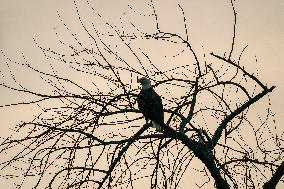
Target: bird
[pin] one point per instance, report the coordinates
(150, 104)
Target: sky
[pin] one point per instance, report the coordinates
(260, 26)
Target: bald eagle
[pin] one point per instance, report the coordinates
(150, 104)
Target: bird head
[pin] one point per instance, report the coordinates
(145, 82)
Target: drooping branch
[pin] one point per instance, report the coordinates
(121, 152)
(91, 138)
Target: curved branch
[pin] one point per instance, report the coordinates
(230, 117)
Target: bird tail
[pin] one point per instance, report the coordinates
(157, 126)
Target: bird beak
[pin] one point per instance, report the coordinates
(138, 80)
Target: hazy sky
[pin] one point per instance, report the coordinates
(260, 25)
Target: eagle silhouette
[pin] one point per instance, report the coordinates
(150, 104)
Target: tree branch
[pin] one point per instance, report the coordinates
(271, 184)
(230, 117)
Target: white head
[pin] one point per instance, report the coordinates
(145, 82)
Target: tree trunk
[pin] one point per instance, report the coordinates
(205, 155)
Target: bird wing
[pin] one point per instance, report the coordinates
(141, 102)
(150, 104)
(157, 111)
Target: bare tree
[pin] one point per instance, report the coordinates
(90, 133)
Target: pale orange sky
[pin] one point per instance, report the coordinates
(260, 26)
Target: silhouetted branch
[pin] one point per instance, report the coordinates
(89, 133)
(277, 175)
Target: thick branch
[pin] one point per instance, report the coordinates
(206, 156)
(275, 177)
